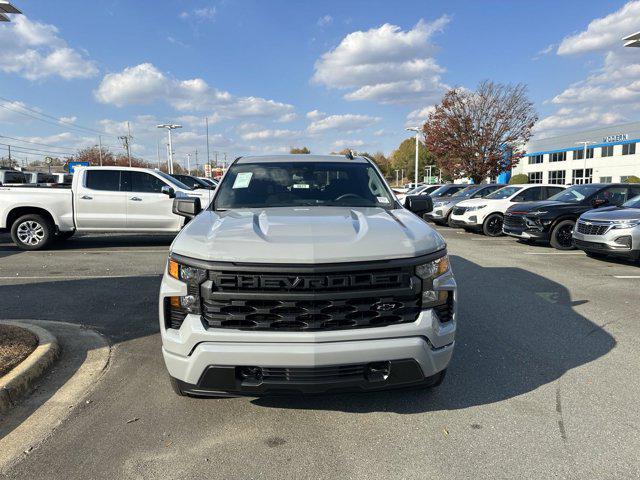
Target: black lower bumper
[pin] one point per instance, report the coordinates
(254, 381)
(526, 234)
(604, 249)
(470, 226)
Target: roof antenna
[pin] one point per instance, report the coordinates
(349, 154)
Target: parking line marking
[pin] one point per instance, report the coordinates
(626, 276)
(554, 253)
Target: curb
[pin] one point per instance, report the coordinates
(20, 380)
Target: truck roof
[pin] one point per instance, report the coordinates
(300, 158)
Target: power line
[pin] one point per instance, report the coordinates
(57, 121)
(37, 143)
(28, 150)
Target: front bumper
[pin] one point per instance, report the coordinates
(607, 244)
(438, 214)
(466, 220)
(525, 234)
(210, 361)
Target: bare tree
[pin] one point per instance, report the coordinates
(480, 134)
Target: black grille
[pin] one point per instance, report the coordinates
(459, 210)
(513, 221)
(590, 245)
(592, 229)
(315, 374)
(338, 299)
(173, 316)
(296, 315)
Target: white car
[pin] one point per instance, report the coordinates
(101, 199)
(486, 214)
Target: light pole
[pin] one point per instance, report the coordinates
(584, 155)
(170, 127)
(6, 7)
(417, 130)
(632, 40)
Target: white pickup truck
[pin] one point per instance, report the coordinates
(101, 199)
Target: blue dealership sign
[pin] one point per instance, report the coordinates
(73, 165)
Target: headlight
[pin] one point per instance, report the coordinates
(475, 207)
(627, 224)
(439, 204)
(428, 272)
(193, 277)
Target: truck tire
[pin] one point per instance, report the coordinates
(32, 232)
(449, 221)
(562, 235)
(492, 226)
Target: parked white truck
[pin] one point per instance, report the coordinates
(101, 199)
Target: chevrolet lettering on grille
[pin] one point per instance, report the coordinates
(295, 282)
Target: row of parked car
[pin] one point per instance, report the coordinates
(600, 218)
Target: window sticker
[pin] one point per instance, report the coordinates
(300, 185)
(242, 180)
(384, 200)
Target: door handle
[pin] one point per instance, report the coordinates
(86, 197)
(136, 199)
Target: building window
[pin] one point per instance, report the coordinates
(558, 157)
(535, 177)
(581, 176)
(557, 177)
(629, 149)
(607, 151)
(579, 154)
(534, 159)
(605, 179)
(624, 178)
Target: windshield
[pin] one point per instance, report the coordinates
(467, 191)
(632, 203)
(173, 181)
(575, 194)
(288, 184)
(441, 191)
(504, 192)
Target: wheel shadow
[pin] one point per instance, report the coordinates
(517, 331)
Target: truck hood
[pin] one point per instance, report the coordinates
(306, 235)
(609, 214)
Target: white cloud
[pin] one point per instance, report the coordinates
(610, 93)
(287, 117)
(315, 115)
(145, 84)
(604, 33)
(340, 144)
(205, 14)
(325, 20)
(34, 51)
(68, 119)
(268, 134)
(419, 116)
(385, 64)
(345, 123)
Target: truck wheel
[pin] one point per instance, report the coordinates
(32, 232)
(562, 235)
(449, 221)
(492, 226)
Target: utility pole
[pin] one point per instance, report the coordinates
(126, 140)
(9, 155)
(158, 152)
(169, 169)
(206, 122)
(417, 130)
(197, 162)
(224, 165)
(216, 154)
(188, 164)
(100, 147)
(170, 127)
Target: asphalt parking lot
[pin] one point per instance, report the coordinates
(544, 381)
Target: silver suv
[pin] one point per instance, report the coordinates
(610, 231)
(305, 275)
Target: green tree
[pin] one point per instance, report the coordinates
(404, 158)
(303, 150)
(518, 179)
(632, 179)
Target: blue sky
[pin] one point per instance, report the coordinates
(275, 74)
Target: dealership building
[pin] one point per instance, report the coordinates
(610, 154)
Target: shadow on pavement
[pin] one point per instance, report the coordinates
(517, 331)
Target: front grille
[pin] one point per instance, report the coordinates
(590, 245)
(315, 374)
(516, 221)
(592, 229)
(459, 210)
(340, 298)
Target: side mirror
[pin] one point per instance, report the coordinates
(599, 202)
(419, 204)
(169, 191)
(187, 207)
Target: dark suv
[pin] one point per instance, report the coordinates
(552, 221)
